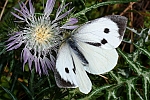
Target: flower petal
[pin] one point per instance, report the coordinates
(13, 45)
(52, 58)
(60, 9)
(44, 67)
(25, 56)
(17, 16)
(20, 12)
(30, 61)
(37, 64)
(32, 10)
(48, 62)
(63, 15)
(72, 21)
(69, 24)
(17, 34)
(70, 27)
(49, 7)
(25, 9)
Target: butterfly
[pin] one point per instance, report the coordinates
(89, 48)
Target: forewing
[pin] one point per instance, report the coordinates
(106, 32)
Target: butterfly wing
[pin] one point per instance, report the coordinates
(64, 72)
(100, 60)
(97, 41)
(70, 72)
(106, 32)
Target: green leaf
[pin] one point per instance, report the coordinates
(42, 91)
(96, 92)
(116, 77)
(133, 65)
(146, 52)
(31, 82)
(9, 93)
(146, 83)
(27, 91)
(146, 88)
(130, 84)
(82, 12)
(129, 92)
(138, 94)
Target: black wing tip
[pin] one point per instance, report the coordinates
(117, 18)
(121, 22)
(61, 82)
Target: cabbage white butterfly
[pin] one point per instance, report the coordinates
(90, 48)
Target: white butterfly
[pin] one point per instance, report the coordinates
(89, 48)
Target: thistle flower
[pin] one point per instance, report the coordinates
(40, 36)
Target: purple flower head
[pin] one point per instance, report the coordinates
(40, 36)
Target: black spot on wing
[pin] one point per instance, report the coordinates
(94, 44)
(121, 22)
(106, 30)
(104, 41)
(74, 47)
(66, 70)
(61, 82)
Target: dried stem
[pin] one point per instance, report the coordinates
(131, 16)
(131, 24)
(3, 9)
(129, 7)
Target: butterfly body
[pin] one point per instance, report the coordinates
(90, 48)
